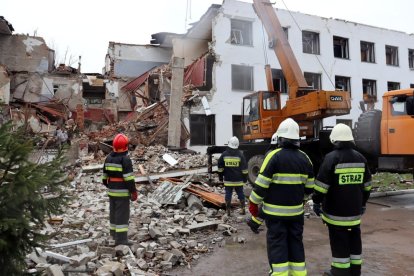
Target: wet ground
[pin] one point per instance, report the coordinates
(387, 237)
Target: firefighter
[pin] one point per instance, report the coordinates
(284, 178)
(232, 169)
(343, 187)
(118, 177)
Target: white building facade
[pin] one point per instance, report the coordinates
(333, 54)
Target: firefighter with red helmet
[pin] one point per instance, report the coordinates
(118, 177)
(342, 189)
(285, 177)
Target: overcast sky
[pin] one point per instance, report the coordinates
(84, 27)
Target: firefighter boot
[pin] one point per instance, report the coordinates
(242, 206)
(228, 208)
(254, 224)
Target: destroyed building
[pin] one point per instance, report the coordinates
(226, 47)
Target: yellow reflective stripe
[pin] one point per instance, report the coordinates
(232, 184)
(285, 211)
(280, 269)
(112, 227)
(341, 221)
(286, 178)
(118, 192)
(350, 170)
(129, 178)
(356, 259)
(231, 161)
(297, 269)
(310, 183)
(341, 263)
(310, 161)
(267, 159)
(113, 169)
(245, 171)
(368, 186)
(263, 181)
(104, 176)
(121, 228)
(220, 170)
(321, 187)
(255, 198)
(257, 220)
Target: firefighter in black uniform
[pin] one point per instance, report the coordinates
(232, 169)
(118, 177)
(343, 187)
(285, 176)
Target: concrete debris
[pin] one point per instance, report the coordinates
(171, 224)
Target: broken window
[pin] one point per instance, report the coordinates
(369, 90)
(310, 42)
(393, 85)
(202, 130)
(279, 81)
(343, 83)
(391, 55)
(57, 87)
(411, 58)
(241, 32)
(367, 51)
(340, 47)
(313, 80)
(242, 77)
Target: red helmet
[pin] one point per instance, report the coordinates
(120, 143)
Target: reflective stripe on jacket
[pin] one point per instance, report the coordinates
(285, 176)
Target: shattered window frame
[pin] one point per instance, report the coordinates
(310, 42)
(341, 47)
(202, 130)
(391, 55)
(279, 81)
(369, 90)
(391, 85)
(314, 80)
(343, 83)
(241, 78)
(241, 32)
(367, 51)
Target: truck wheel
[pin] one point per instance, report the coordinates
(367, 132)
(253, 167)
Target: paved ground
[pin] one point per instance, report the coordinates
(387, 236)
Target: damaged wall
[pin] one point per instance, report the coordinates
(4, 86)
(25, 53)
(189, 49)
(129, 60)
(35, 87)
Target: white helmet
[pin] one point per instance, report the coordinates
(288, 129)
(273, 141)
(234, 142)
(341, 132)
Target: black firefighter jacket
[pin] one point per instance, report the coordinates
(118, 175)
(343, 186)
(232, 167)
(285, 176)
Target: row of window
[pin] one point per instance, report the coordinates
(242, 80)
(241, 34)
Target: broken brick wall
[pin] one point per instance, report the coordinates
(25, 53)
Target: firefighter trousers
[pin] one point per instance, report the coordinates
(346, 248)
(119, 218)
(285, 249)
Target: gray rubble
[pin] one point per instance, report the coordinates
(163, 235)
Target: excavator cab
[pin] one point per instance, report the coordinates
(262, 114)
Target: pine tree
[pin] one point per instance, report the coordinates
(24, 205)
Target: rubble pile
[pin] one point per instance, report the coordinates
(163, 235)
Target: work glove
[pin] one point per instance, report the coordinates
(317, 209)
(363, 209)
(253, 209)
(134, 196)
